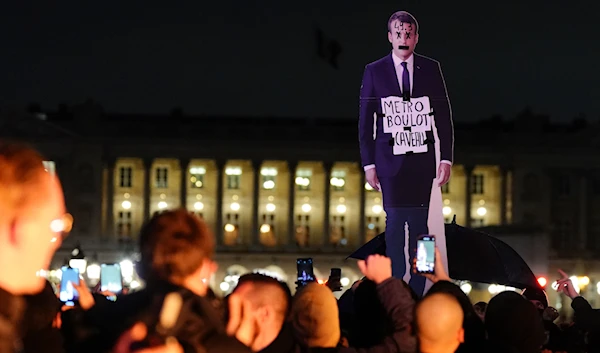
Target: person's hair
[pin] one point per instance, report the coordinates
(173, 245)
(20, 169)
(405, 17)
(262, 291)
(371, 324)
(480, 307)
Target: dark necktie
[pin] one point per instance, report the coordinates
(405, 82)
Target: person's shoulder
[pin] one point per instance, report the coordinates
(379, 62)
(426, 61)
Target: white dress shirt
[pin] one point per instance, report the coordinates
(410, 65)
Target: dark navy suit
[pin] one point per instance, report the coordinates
(406, 180)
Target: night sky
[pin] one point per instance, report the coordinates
(259, 57)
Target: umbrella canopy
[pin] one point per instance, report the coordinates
(472, 256)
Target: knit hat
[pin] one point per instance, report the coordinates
(314, 317)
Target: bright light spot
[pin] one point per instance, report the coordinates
(126, 205)
(79, 264)
(583, 281)
(235, 206)
(268, 171)
(466, 288)
(57, 226)
(320, 281)
(53, 240)
(337, 182)
(481, 211)
(446, 202)
(198, 206)
(127, 268)
(481, 202)
(269, 184)
(302, 181)
(127, 280)
(126, 195)
(542, 281)
(235, 197)
(341, 208)
(377, 209)
(134, 285)
(446, 211)
(497, 288)
(345, 281)
(233, 171)
(162, 205)
(229, 227)
(368, 187)
(575, 282)
(197, 170)
(224, 286)
(554, 285)
(306, 208)
(163, 196)
(598, 288)
(93, 271)
(198, 183)
(265, 228)
(270, 207)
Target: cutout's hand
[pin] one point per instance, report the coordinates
(444, 171)
(371, 177)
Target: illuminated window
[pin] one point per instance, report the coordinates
(303, 231)
(233, 177)
(162, 178)
(125, 177)
(337, 233)
(197, 177)
(268, 178)
(124, 225)
(477, 183)
(338, 180)
(303, 179)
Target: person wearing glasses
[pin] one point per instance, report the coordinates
(33, 224)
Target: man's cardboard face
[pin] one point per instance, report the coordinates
(403, 34)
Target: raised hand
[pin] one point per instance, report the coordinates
(377, 268)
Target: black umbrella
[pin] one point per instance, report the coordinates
(472, 256)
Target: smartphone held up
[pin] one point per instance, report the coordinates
(425, 254)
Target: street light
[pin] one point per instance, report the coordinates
(78, 260)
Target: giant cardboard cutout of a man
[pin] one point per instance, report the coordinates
(406, 139)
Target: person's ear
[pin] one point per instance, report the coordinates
(461, 335)
(390, 36)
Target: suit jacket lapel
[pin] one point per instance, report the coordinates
(394, 85)
(416, 77)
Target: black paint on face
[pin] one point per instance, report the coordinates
(403, 29)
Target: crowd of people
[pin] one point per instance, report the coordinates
(177, 312)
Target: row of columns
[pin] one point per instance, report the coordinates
(220, 164)
(292, 166)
